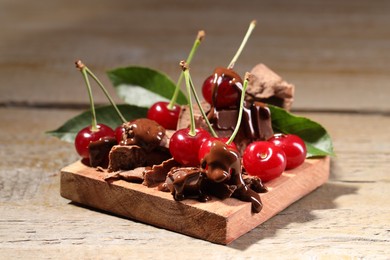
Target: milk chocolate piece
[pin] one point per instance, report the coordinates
(223, 165)
(186, 183)
(136, 175)
(268, 87)
(158, 173)
(99, 150)
(145, 133)
(126, 157)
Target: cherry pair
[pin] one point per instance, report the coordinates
(268, 159)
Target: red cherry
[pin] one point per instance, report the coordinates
(184, 148)
(293, 146)
(119, 131)
(228, 85)
(166, 117)
(86, 135)
(206, 146)
(264, 160)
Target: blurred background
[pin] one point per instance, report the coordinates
(336, 52)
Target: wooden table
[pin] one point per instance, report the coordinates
(336, 53)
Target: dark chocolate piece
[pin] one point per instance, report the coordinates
(99, 150)
(186, 183)
(255, 184)
(224, 165)
(158, 173)
(126, 157)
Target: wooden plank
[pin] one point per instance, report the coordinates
(216, 221)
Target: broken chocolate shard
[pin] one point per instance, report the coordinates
(268, 87)
(158, 173)
(99, 151)
(135, 175)
(126, 157)
(223, 166)
(185, 183)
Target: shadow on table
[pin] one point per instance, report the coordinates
(299, 212)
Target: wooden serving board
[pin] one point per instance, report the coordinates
(218, 221)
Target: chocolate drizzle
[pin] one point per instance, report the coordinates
(224, 165)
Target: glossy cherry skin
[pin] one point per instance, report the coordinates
(227, 95)
(293, 146)
(166, 117)
(206, 146)
(264, 160)
(184, 148)
(119, 131)
(86, 135)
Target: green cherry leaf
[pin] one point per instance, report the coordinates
(143, 87)
(105, 115)
(318, 141)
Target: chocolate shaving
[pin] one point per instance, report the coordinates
(158, 173)
(135, 175)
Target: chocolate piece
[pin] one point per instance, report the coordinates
(186, 183)
(99, 150)
(224, 165)
(157, 156)
(136, 175)
(158, 173)
(268, 87)
(145, 133)
(220, 190)
(255, 124)
(126, 157)
(254, 183)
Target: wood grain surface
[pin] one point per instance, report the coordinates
(335, 52)
(217, 221)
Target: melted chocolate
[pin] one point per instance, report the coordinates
(186, 183)
(224, 165)
(145, 133)
(235, 81)
(99, 150)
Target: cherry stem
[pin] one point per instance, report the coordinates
(192, 124)
(82, 69)
(188, 75)
(252, 26)
(89, 72)
(245, 85)
(198, 40)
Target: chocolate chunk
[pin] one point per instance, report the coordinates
(158, 173)
(99, 150)
(186, 183)
(223, 165)
(145, 133)
(136, 175)
(255, 183)
(268, 87)
(157, 156)
(220, 190)
(126, 157)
